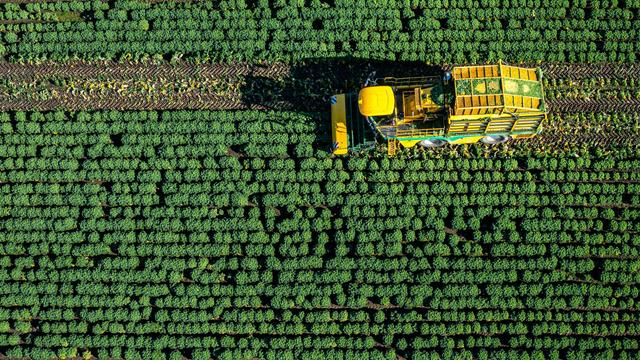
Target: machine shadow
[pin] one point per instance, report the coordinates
(309, 84)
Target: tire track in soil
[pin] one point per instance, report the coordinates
(603, 105)
(73, 103)
(142, 70)
(68, 101)
(146, 69)
(584, 71)
(617, 138)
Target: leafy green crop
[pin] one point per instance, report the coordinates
(233, 235)
(440, 31)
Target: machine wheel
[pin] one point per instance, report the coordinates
(495, 139)
(432, 143)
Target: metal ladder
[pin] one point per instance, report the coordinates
(392, 146)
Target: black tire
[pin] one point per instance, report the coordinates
(495, 139)
(432, 143)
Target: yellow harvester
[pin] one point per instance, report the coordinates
(487, 103)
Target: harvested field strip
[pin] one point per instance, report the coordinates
(85, 85)
(149, 68)
(133, 102)
(53, 99)
(608, 105)
(131, 70)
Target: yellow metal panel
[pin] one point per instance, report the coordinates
(475, 72)
(376, 101)
(504, 100)
(467, 140)
(524, 74)
(392, 146)
(504, 117)
(523, 136)
(508, 100)
(339, 124)
(498, 127)
(408, 143)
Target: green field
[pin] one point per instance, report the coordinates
(167, 189)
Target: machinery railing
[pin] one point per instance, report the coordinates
(415, 80)
(393, 131)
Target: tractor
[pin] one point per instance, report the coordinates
(485, 103)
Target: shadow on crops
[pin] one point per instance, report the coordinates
(309, 84)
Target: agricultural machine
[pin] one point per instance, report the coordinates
(487, 103)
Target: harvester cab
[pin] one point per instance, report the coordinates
(487, 103)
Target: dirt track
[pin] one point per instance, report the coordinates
(605, 106)
(126, 69)
(108, 84)
(130, 70)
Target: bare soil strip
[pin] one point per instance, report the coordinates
(236, 101)
(605, 105)
(588, 138)
(584, 71)
(131, 70)
(149, 68)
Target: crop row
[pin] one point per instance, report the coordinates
(560, 31)
(199, 133)
(163, 234)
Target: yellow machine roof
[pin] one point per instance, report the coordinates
(376, 101)
(488, 89)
